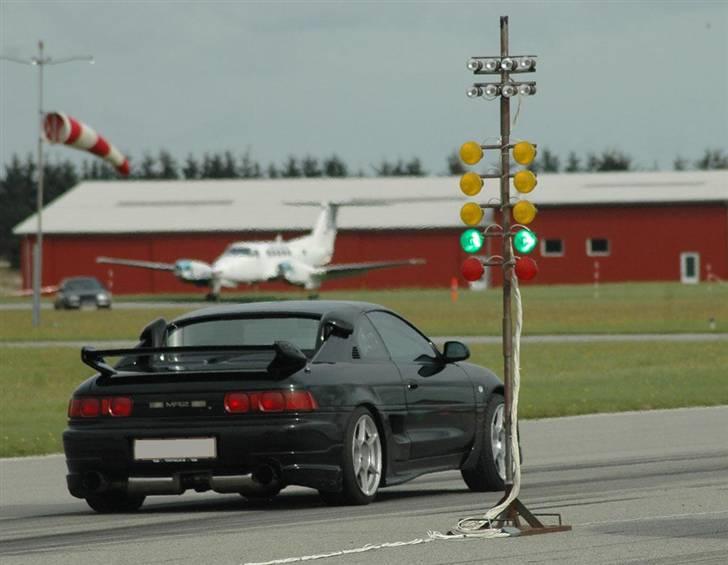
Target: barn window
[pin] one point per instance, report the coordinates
(597, 246)
(552, 247)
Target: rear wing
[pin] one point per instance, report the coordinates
(287, 360)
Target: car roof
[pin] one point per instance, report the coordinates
(82, 278)
(349, 309)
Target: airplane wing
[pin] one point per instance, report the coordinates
(349, 269)
(134, 263)
(52, 289)
(356, 202)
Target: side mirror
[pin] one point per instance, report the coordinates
(333, 324)
(455, 351)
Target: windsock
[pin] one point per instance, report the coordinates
(62, 128)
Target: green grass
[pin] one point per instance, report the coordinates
(81, 324)
(557, 380)
(619, 308)
(562, 379)
(35, 385)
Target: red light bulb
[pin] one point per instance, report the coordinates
(472, 269)
(526, 268)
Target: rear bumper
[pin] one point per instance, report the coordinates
(298, 451)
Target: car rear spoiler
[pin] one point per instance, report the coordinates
(288, 358)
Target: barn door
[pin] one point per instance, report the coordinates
(689, 268)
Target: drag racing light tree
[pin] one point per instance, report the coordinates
(514, 233)
(523, 212)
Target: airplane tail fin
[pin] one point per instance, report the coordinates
(323, 234)
(324, 230)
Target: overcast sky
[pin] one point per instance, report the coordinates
(368, 80)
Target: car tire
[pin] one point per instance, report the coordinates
(114, 502)
(362, 461)
(488, 474)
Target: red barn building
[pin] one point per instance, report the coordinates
(647, 226)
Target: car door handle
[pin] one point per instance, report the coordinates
(412, 385)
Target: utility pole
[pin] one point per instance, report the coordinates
(41, 61)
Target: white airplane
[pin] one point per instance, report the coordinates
(303, 261)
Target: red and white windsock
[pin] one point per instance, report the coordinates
(62, 128)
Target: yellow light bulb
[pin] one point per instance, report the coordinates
(471, 152)
(471, 214)
(524, 181)
(524, 212)
(524, 152)
(471, 183)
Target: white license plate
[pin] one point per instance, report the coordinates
(175, 449)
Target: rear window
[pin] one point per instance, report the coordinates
(301, 331)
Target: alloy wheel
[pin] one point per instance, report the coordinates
(367, 455)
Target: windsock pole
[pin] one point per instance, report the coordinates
(41, 61)
(38, 247)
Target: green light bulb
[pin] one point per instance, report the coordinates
(472, 240)
(525, 241)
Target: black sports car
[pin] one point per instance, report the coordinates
(343, 397)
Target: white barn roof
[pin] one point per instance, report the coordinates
(147, 206)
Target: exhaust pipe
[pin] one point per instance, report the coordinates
(265, 479)
(154, 485)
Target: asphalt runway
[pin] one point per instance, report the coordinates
(639, 487)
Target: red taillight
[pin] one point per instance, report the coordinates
(91, 407)
(74, 408)
(270, 401)
(236, 402)
(300, 401)
(120, 406)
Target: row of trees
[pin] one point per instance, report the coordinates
(608, 160)
(18, 183)
(226, 165)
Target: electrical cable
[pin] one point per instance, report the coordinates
(481, 526)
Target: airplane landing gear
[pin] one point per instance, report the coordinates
(214, 294)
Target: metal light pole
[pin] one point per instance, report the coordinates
(41, 61)
(514, 234)
(507, 254)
